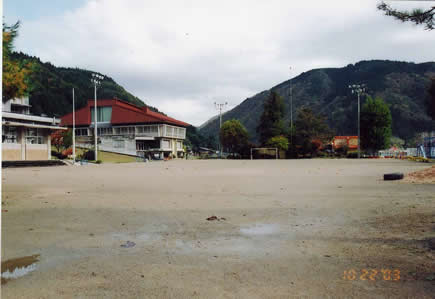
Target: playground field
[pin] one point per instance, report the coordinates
(314, 228)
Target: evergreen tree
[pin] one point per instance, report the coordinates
(431, 100)
(310, 131)
(375, 125)
(233, 136)
(417, 16)
(271, 121)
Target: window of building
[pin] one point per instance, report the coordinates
(131, 130)
(169, 131)
(104, 131)
(9, 135)
(179, 144)
(34, 136)
(166, 144)
(104, 114)
(140, 130)
(117, 131)
(81, 132)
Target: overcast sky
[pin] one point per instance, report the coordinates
(181, 56)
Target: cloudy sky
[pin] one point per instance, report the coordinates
(181, 56)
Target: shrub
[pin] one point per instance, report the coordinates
(58, 155)
(67, 152)
(88, 155)
(352, 155)
(98, 161)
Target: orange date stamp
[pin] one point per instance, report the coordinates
(372, 274)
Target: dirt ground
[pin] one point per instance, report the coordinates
(320, 228)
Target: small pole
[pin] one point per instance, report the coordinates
(95, 119)
(74, 130)
(359, 136)
(220, 106)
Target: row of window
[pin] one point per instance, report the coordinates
(174, 132)
(170, 131)
(31, 135)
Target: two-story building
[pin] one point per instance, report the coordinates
(26, 136)
(128, 129)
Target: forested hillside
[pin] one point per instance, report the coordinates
(51, 87)
(404, 86)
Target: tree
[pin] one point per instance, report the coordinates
(397, 142)
(271, 121)
(417, 16)
(233, 136)
(430, 103)
(310, 132)
(375, 125)
(61, 139)
(15, 73)
(280, 142)
(193, 139)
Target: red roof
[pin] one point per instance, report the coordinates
(122, 113)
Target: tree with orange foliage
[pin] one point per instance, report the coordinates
(61, 139)
(15, 74)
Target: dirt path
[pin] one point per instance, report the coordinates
(285, 229)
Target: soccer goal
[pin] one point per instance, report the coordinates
(264, 153)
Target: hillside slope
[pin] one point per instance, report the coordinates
(51, 87)
(402, 85)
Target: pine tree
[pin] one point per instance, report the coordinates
(375, 125)
(417, 16)
(271, 121)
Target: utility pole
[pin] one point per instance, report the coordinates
(291, 109)
(74, 130)
(220, 107)
(291, 101)
(358, 89)
(96, 79)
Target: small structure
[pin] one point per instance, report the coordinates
(26, 136)
(125, 128)
(341, 141)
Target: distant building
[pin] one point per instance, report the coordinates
(128, 129)
(26, 136)
(340, 141)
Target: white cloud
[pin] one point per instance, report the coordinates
(181, 56)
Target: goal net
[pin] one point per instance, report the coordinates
(264, 153)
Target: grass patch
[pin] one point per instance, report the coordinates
(107, 157)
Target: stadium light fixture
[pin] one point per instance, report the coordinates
(358, 89)
(96, 80)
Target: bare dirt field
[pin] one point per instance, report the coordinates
(283, 229)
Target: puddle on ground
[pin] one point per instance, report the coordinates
(18, 267)
(260, 229)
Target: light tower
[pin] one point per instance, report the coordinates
(220, 107)
(96, 80)
(358, 89)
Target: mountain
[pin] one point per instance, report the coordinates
(51, 87)
(402, 85)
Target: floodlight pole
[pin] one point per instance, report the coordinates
(291, 109)
(220, 106)
(74, 130)
(96, 79)
(291, 101)
(358, 89)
